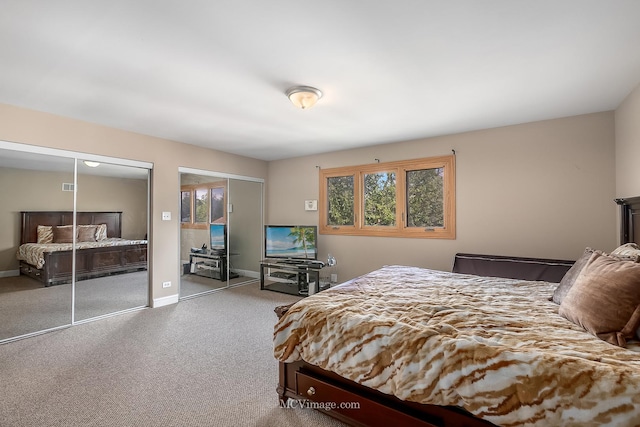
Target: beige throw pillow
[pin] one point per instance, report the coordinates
(45, 234)
(627, 250)
(87, 233)
(101, 232)
(63, 234)
(605, 299)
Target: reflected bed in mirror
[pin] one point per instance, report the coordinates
(46, 253)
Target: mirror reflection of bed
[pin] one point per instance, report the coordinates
(41, 183)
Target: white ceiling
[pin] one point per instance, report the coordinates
(214, 72)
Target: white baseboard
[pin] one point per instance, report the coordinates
(10, 273)
(161, 302)
(247, 273)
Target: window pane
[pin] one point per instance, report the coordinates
(202, 206)
(425, 200)
(185, 207)
(217, 204)
(380, 199)
(340, 200)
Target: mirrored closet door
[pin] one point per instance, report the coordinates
(220, 231)
(245, 229)
(31, 183)
(111, 257)
(74, 238)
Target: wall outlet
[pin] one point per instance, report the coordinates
(166, 284)
(166, 216)
(334, 278)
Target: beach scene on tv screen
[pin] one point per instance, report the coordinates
(217, 236)
(291, 242)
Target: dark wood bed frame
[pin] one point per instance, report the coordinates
(301, 382)
(90, 263)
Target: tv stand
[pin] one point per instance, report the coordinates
(295, 277)
(210, 264)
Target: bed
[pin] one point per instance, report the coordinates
(100, 250)
(462, 349)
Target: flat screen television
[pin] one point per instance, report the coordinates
(291, 242)
(218, 237)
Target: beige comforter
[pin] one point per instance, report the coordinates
(33, 253)
(496, 347)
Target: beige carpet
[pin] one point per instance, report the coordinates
(27, 306)
(191, 284)
(205, 361)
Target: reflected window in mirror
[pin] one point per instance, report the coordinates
(203, 204)
(217, 205)
(185, 206)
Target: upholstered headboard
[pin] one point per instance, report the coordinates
(31, 220)
(547, 270)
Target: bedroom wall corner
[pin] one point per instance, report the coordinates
(627, 128)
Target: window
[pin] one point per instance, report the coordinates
(413, 198)
(185, 206)
(202, 204)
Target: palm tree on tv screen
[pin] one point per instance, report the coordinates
(303, 235)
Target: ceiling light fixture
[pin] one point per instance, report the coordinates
(91, 164)
(304, 97)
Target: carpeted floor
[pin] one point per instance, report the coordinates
(205, 361)
(191, 284)
(27, 306)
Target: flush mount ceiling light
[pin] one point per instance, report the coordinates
(91, 164)
(304, 97)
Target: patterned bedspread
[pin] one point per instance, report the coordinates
(496, 347)
(33, 253)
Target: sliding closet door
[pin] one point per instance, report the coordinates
(245, 230)
(111, 265)
(203, 234)
(221, 231)
(31, 182)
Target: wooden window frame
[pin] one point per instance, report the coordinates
(448, 231)
(192, 188)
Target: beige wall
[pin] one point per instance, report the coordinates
(541, 189)
(27, 190)
(42, 129)
(537, 189)
(627, 120)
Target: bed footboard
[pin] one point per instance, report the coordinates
(90, 263)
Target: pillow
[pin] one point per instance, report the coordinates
(101, 232)
(605, 299)
(628, 250)
(63, 234)
(45, 234)
(87, 233)
(570, 276)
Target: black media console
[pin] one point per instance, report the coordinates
(291, 276)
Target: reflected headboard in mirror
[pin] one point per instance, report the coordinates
(31, 220)
(629, 220)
